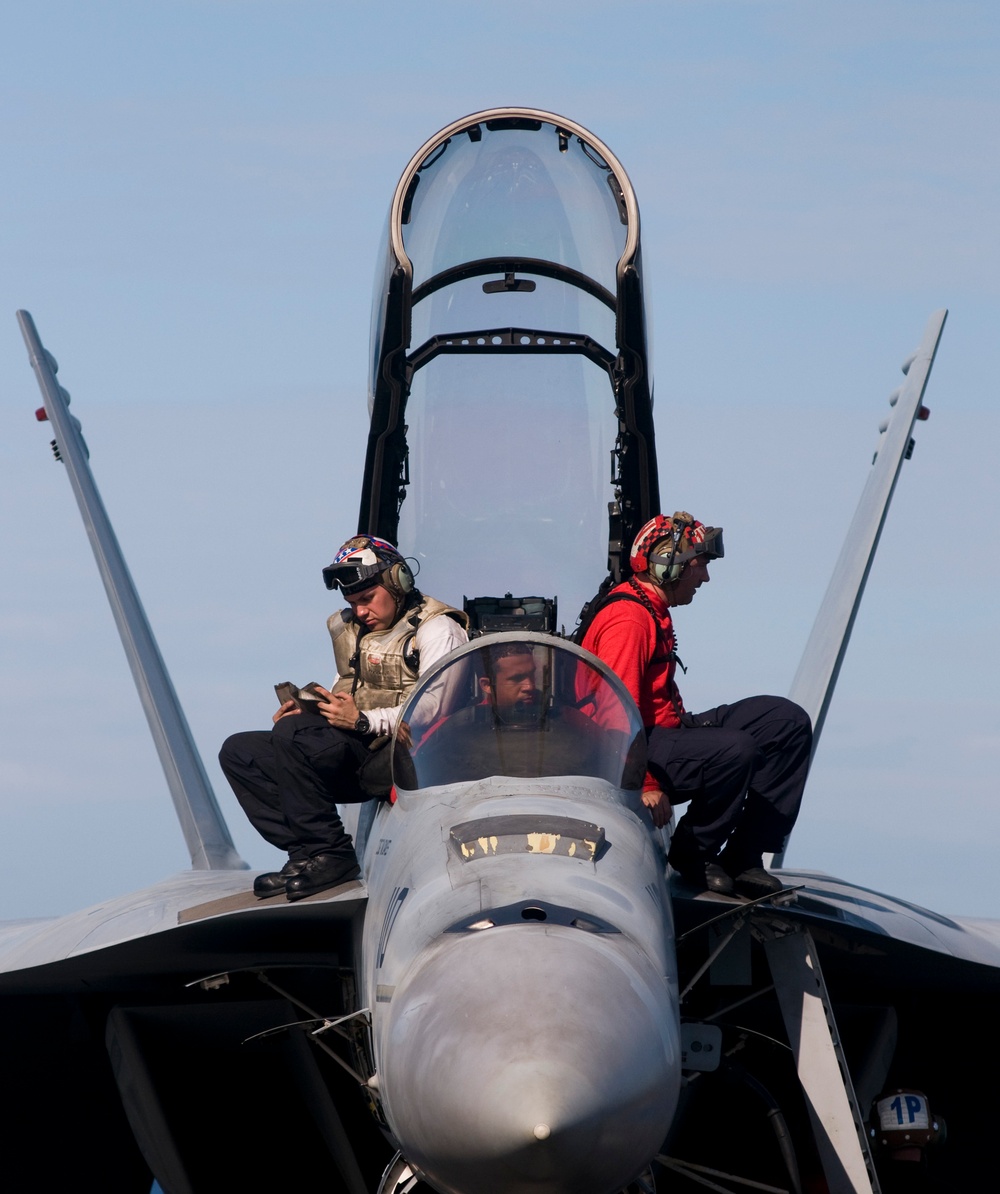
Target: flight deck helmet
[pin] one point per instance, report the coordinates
(365, 560)
(665, 546)
(901, 1122)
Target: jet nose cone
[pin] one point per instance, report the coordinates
(530, 1058)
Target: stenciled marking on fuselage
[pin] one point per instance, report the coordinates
(399, 894)
(383, 846)
(528, 843)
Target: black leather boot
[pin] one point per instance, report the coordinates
(697, 871)
(705, 876)
(754, 882)
(321, 872)
(748, 874)
(272, 883)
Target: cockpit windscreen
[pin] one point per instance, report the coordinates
(518, 706)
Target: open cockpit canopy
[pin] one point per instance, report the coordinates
(510, 393)
(524, 706)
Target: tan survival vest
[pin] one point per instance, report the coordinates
(387, 661)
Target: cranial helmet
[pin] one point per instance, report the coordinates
(364, 561)
(901, 1120)
(665, 546)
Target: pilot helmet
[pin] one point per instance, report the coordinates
(665, 546)
(365, 560)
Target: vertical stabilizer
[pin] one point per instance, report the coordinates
(205, 831)
(819, 667)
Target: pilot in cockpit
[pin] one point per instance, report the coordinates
(524, 721)
(509, 685)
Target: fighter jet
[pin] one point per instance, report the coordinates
(515, 996)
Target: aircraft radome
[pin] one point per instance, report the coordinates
(512, 999)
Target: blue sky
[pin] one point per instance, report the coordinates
(193, 198)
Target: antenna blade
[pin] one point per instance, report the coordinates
(205, 831)
(816, 677)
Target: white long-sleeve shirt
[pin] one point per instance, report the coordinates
(434, 639)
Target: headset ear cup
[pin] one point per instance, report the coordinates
(401, 579)
(664, 575)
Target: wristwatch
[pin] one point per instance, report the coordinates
(362, 725)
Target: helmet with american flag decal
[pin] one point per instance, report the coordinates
(365, 560)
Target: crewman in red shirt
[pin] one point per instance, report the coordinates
(743, 766)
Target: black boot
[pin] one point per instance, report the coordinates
(323, 871)
(272, 883)
(705, 876)
(698, 871)
(754, 882)
(748, 874)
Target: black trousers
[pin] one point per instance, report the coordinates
(743, 768)
(288, 780)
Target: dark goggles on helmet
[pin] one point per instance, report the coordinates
(711, 547)
(353, 578)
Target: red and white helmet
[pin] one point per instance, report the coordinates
(664, 546)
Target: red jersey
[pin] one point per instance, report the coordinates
(640, 650)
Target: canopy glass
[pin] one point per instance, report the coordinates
(513, 229)
(522, 706)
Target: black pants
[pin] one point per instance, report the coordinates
(743, 768)
(288, 779)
